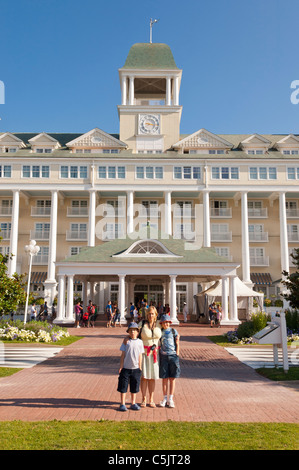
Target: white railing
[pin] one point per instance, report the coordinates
(76, 235)
(224, 212)
(293, 213)
(184, 212)
(259, 212)
(77, 212)
(39, 234)
(40, 259)
(259, 260)
(293, 237)
(5, 211)
(40, 211)
(5, 234)
(221, 237)
(258, 237)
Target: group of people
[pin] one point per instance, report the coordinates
(85, 319)
(113, 314)
(151, 351)
(215, 314)
(43, 313)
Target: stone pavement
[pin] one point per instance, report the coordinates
(79, 383)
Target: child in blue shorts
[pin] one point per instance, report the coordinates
(130, 367)
(169, 359)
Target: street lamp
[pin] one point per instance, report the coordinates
(31, 249)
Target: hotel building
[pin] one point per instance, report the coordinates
(232, 202)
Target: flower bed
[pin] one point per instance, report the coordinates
(36, 332)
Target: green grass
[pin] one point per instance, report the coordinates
(62, 342)
(131, 435)
(279, 374)
(7, 371)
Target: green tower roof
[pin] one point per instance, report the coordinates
(150, 56)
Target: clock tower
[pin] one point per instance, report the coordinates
(150, 113)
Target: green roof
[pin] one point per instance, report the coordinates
(150, 56)
(182, 251)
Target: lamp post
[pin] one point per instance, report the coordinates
(31, 249)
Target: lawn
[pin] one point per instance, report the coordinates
(131, 435)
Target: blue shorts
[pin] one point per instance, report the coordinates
(169, 366)
(129, 376)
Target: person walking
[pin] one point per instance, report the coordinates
(109, 313)
(169, 360)
(78, 313)
(185, 312)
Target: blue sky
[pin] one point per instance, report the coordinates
(59, 62)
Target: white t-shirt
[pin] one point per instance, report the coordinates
(132, 349)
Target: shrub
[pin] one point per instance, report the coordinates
(292, 320)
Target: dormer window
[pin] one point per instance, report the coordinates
(43, 143)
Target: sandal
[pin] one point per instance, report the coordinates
(143, 404)
(152, 404)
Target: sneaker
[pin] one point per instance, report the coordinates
(163, 403)
(123, 408)
(171, 404)
(135, 407)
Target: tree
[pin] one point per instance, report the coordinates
(12, 289)
(291, 282)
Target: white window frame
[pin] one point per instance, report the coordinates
(220, 174)
(258, 173)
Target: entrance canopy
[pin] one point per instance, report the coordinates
(123, 259)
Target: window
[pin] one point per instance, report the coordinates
(290, 152)
(225, 173)
(187, 172)
(43, 150)
(149, 172)
(112, 172)
(262, 173)
(5, 171)
(223, 251)
(75, 250)
(255, 152)
(293, 173)
(113, 231)
(35, 171)
(73, 171)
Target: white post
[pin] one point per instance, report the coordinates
(12, 265)
(245, 239)
(168, 91)
(130, 211)
(131, 91)
(176, 91)
(70, 299)
(206, 221)
(233, 304)
(32, 249)
(53, 236)
(61, 299)
(168, 222)
(122, 300)
(284, 255)
(224, 303)
(124, 91)
(173, 305)
(92, 215)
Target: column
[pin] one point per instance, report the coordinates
(168, 91)
(121, 298)
(172, 305)
(130, 211)
(70, 299)
(53, 237)
(131, 91)
(168, 222)
(176, 91)
(61, 299)
(233, 304)
(124, 91)
(284, 248)
(224, 301)
(13, 250)
(92, 216)
(245, 239)
(206, 220)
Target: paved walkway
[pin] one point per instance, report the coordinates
(79, 383)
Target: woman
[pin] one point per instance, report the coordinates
(150, 333)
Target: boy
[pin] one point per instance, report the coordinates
(130, 367)
(169, 359)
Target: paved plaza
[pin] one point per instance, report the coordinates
(79, 382)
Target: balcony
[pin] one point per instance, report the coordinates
(292, 213)
(293, 237)
(39, 234)
(221, 212)
(184, 212)
(40, 211)
(77, 212)
(114, 212)
(72, 235)
(258, 237)
(259, 260)
(152, 213)
(5, 234)
(40, 260)
(257, 213)
(4, 211)
(221, 237)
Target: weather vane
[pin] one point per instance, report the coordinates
(152, 22)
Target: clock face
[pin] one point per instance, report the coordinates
(149, 124)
